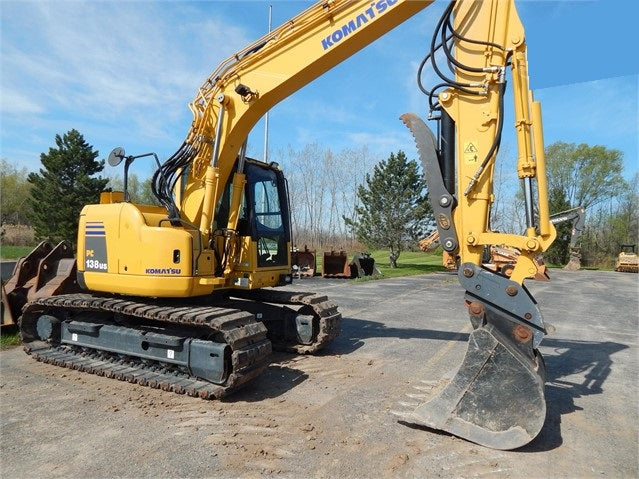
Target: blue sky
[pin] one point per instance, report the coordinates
(122, 73)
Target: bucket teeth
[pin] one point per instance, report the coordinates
(405, 411)
(428, 382)
(404, 416)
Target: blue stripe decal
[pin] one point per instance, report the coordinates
(94, 228)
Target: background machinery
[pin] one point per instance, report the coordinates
(503, 258)
(627, 261)
(179, 296)
(578, 218)
(430, 243)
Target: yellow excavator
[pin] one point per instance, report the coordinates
(182, 296)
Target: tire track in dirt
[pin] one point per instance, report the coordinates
(268, 435)
(247, 436)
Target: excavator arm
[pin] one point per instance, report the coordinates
(488, 40)
(578, 218)
(497, 396)
(245, 86)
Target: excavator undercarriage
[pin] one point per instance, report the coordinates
(205, 347)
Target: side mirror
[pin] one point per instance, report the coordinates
(116, 156)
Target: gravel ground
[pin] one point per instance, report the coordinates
(330, 415)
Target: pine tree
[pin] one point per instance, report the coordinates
(394, 206)
(63, 186)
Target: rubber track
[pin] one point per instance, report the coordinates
(329, 317)
(246, 337)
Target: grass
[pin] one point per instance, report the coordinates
(9, 340)
(408, 264)
(14, 252)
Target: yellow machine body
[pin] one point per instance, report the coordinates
(134, 249)
(147, 255)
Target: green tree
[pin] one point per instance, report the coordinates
(609, 228)
(559, 251)
(624, 223)
(14, 193)
(146, 196)
(63, 186)
(140, 192)
(585, 174)
(581, 175)
(394, 206)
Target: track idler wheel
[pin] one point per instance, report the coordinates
(496, 398)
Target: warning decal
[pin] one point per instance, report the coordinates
(471, 151)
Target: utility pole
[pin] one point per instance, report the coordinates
(270, 16)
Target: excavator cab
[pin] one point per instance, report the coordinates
(263, 226)
(264, 212)
(268, 215)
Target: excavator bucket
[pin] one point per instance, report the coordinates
(574, 263)
(304, 262)
(46, 271)
(335, 265)
(496, 398)
(7, 321)
(363, 264)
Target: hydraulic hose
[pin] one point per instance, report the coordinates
(166, 177)
(463, 87)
